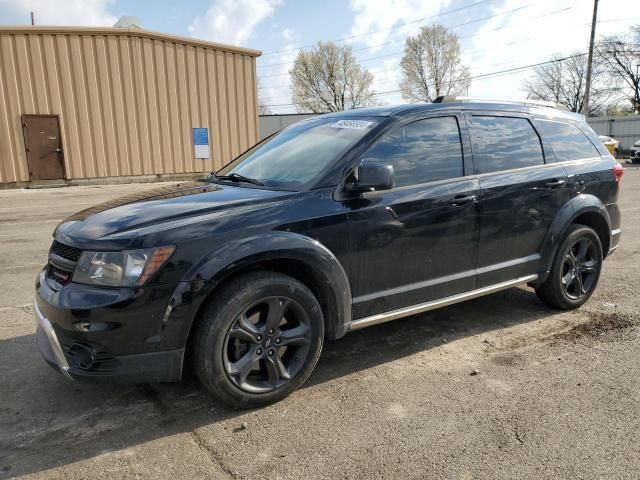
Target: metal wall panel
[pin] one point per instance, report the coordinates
(625, 128)
(127, 99)
(269, 124)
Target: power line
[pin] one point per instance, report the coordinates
(475, 20)
(475, 77)
(548, 14)
(387, 82)
(371, 32)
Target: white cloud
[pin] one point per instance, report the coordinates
(232, 21)
(273, 74)
(386, 77)
(374, 15)
(63, 12)
(288, 34)
(533, 35)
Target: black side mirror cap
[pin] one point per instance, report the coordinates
(372, 176)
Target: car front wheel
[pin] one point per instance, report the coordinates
(258, 339)
(575, 271)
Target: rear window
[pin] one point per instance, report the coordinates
(503, 143)
(568, 141)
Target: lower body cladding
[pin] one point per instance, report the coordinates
(111, 335)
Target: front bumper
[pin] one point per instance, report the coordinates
(109, 335)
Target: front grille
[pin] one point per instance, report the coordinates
(60, 270)
(69, 253)
(59, 275)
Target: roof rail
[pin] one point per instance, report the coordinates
(524, 101)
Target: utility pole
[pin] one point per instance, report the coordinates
(33, 19)
(585, 107)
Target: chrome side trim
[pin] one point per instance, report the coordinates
(433, 304)
(61, 360)
(413, 286)
(616, 232)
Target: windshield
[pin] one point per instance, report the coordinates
(295, 157)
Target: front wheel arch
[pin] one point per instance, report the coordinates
(320, 285)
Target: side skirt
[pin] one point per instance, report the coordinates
(433, 304)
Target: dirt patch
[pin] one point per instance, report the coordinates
(507, 359)
(601, 326)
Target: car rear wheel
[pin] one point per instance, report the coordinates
(575, 271)
(258, 339)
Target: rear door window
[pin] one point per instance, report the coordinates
(423, 151)
(568, 141)
(504, 143)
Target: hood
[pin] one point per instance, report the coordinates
(151, 207)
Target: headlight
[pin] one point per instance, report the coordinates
(120, 269)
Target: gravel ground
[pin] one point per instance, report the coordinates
(499, 387)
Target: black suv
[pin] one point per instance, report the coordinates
(336, 223)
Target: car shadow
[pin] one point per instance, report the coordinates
(47, 422)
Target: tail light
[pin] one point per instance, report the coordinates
(618, 171)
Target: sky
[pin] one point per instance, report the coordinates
(495, 35)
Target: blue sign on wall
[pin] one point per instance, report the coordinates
(201, 142)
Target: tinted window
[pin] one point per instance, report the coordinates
(568, 141)
(422, 151)
(502, 143)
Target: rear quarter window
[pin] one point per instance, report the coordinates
(567, 141)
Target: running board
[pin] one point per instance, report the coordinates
(442, 302)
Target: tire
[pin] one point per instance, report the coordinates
(255, 332)
(575, 271)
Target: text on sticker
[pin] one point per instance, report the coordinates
(355, 124)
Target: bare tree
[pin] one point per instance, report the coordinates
(622, 59)
(328, 79)
(563, 81)
(431, 65)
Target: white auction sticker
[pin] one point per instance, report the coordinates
(355, 124)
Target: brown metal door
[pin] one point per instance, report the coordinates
(44, 146)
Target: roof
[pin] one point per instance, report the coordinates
(408, 109)
(127, 32)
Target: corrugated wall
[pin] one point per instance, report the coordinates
(270, 124)
(624, 128)
(127, 100)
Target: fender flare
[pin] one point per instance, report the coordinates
(571, 210)
(208, 273)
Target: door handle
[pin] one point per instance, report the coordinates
(555, 183)
(460, 200)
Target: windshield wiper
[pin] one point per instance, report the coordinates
(236, 177)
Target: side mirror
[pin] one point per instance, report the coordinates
(372, 176)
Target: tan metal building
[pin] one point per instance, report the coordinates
(94, 104)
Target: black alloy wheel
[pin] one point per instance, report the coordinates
(267, 344)
(580, 269)
(575, 270)
(257, 339)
